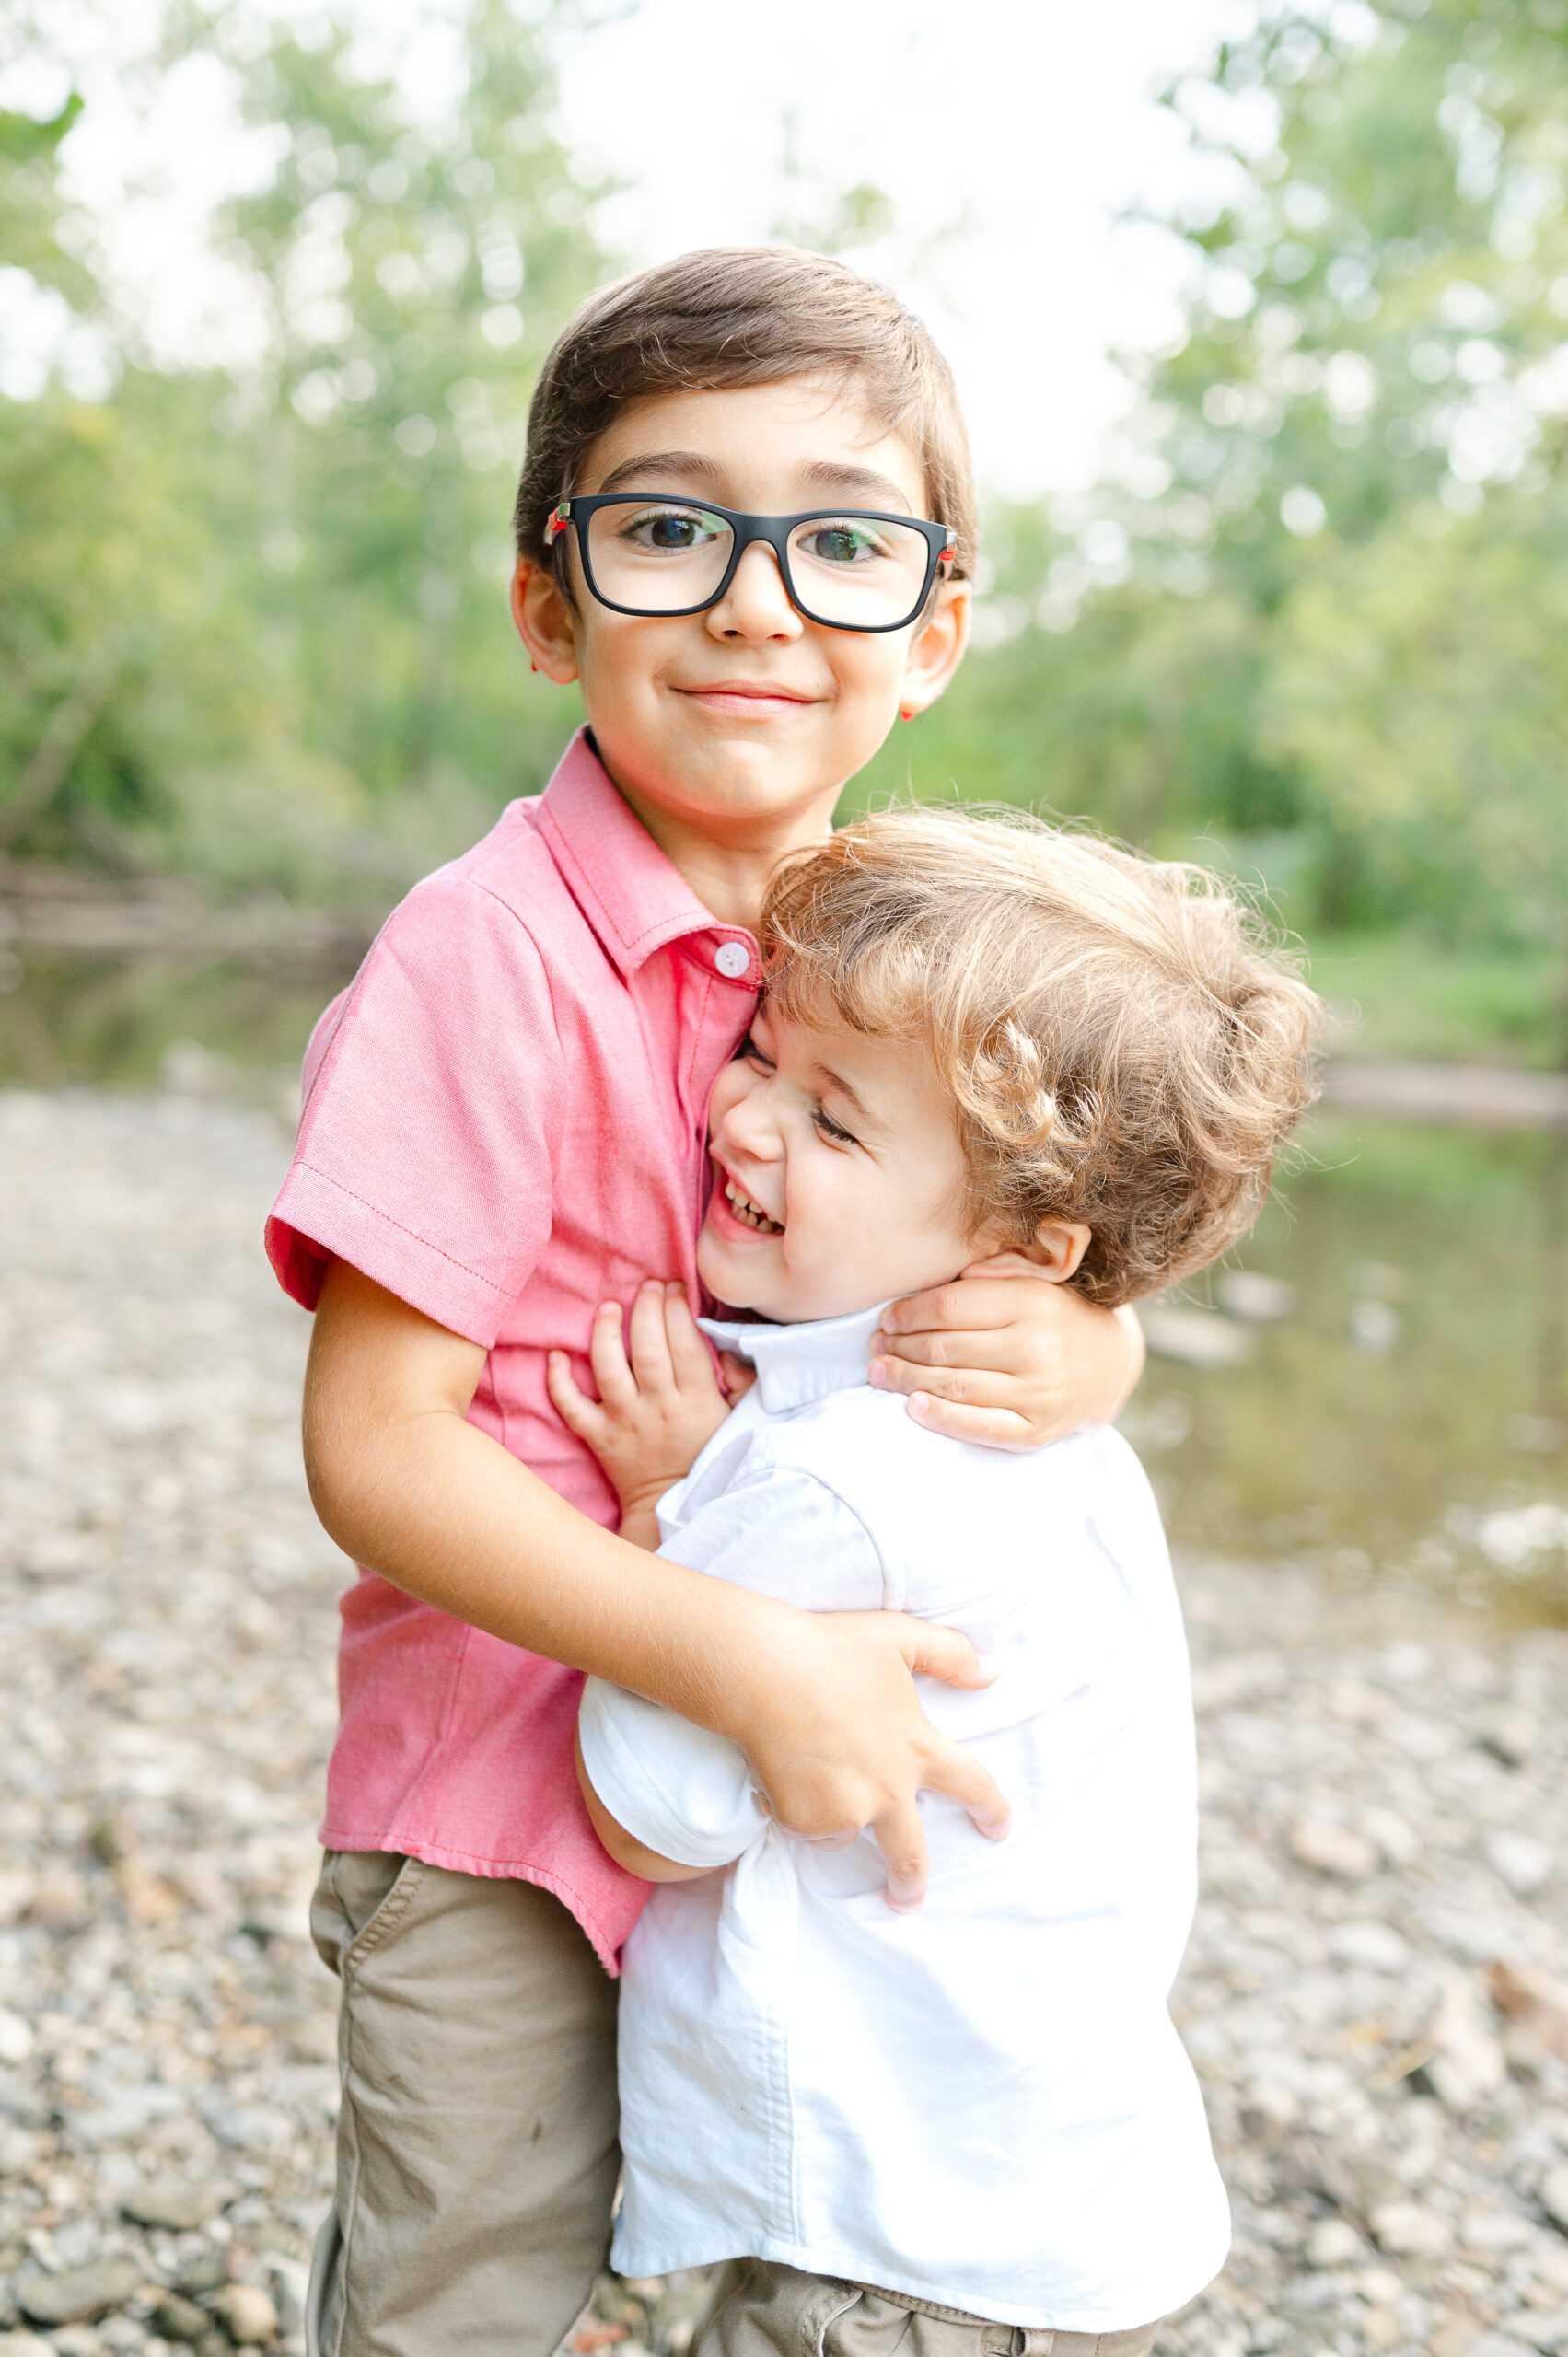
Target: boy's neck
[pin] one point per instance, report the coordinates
(729, 872)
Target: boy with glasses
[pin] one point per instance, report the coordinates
(504, 1126)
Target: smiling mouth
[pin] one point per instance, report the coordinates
(750, 1214)
(744, 691)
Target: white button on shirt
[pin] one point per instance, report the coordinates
(984, 2102)
(733, 959)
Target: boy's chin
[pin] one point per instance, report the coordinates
(726, 1277)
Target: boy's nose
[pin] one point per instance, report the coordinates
(750, 1127)
(755, 604)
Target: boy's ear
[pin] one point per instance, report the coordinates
(1058, 1248)
(545, 621)
(936, 649)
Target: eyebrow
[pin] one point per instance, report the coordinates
(660, 462)
(825, 473)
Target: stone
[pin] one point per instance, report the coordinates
(1495, 2230)
(246, 2313)
(288, 2281)
(1333, 2242)
(1523, 1862)
(1383, 2329)
(1455, 2337)
(1467, 2062)
(1554, 2195)
(17, 1890)
(1195, 1337)
(79, 2340)
(202, 2272)
(77, 2294)
(25, 2344)
(1333, 1850)
(15, 2036)
(1499, 2344)
(1534, 2003)
(178, 2319)
(1410, 2230)
(1256, 1299)
(174, 2203)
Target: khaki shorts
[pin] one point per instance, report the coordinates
(477, 2152)
(763, 2310)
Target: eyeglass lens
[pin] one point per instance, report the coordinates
(663, 556)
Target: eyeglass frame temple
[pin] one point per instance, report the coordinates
(774, 529)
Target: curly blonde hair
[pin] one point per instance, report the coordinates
(1125, 1043)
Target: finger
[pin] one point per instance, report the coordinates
(987, 1427)
(982, 1301)
(967, 1387)
(739, 1375)
(577, 1411)
(958, 1773)
(650, 1351)
(997, 1349)
(607, 1354)
(901, 1837)
(932, 1652)
(689, 1354)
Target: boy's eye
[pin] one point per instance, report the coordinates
(751, 1053)
(671, 531)
(842, 541)
(829, 1128)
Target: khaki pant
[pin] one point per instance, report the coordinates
(476, 2154)
(763, 2310)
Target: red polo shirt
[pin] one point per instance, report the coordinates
(504, 1124)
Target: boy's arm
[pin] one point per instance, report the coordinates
(624, 1847)
(824, 1704)
(1008, 1359)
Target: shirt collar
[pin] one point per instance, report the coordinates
(796, 1364)
(636, 900)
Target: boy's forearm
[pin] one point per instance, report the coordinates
(443, 1512)
(405, 1484)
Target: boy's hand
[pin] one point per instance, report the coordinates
(654, 1412)
(829, 1718)
(1005, 1357)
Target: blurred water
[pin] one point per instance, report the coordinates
(1375, 1387)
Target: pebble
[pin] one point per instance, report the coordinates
(170, 2202)
(76, 2294)
(246, 2312)
(1368, 1924)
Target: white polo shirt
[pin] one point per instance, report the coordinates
(984, 2102)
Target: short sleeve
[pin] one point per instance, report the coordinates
(684, 1793)
(783, 1532)
(427, 1150)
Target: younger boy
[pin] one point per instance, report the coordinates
(504, 1123)
(909, 2129)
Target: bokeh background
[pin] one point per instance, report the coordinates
(1260, 314)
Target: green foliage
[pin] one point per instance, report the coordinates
(1318, 606)
(1314, 620)
(265, 619)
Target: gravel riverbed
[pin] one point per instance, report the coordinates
(1376, 1993)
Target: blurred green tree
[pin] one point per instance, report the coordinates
(1318, 606)
(332, 521)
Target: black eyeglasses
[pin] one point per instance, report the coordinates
(846, 568)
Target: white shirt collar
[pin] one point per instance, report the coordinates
(796, 1364)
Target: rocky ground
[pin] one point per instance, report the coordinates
(1374, 1995)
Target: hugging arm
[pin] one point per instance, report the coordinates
(1005, 1357)
(826, 1704)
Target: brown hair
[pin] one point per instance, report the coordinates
(1123, 1044)
(744, 315)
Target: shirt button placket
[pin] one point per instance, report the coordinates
(733, 959)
